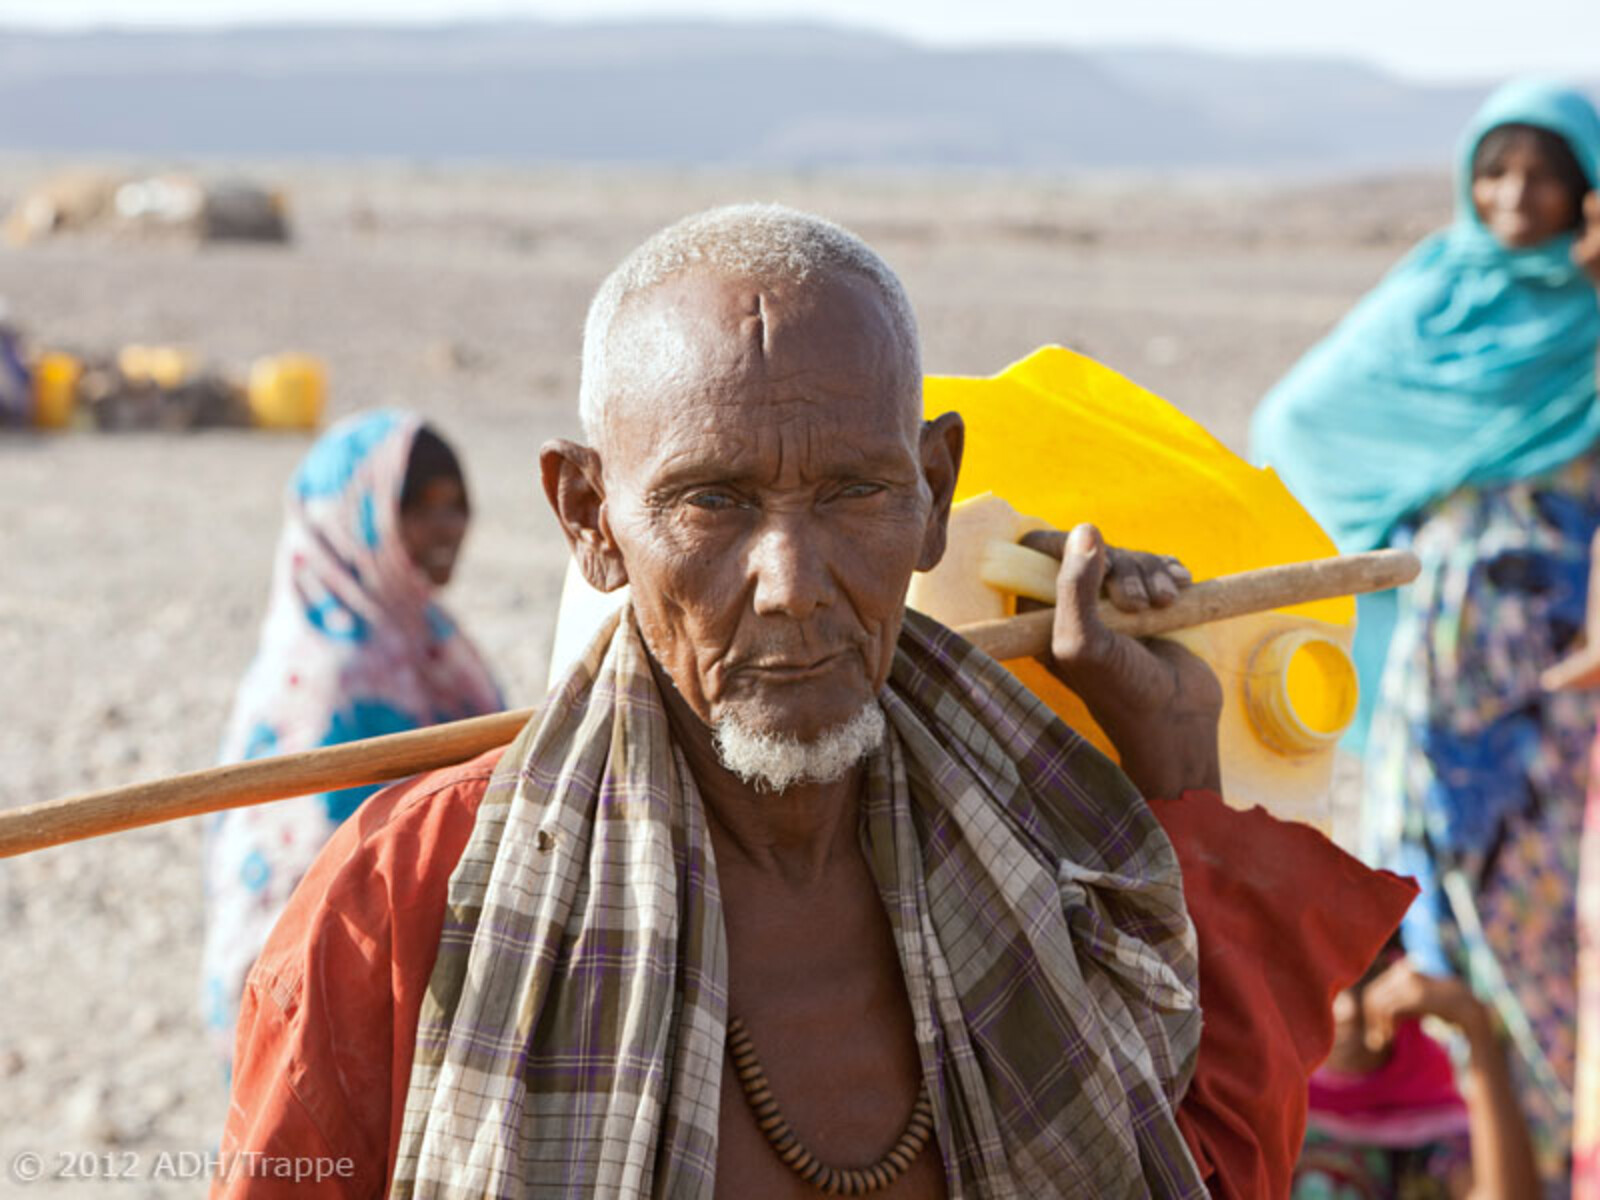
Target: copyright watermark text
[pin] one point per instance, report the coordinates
(112, 1166)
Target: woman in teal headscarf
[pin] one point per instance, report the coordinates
(1454, 410)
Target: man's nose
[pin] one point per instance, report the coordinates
(790, 568)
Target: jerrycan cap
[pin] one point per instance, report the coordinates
(1300, 691)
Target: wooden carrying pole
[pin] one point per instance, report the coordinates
(379, 760)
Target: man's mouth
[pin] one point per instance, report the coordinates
(793, 670)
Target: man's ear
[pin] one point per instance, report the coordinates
(575, 487)
(943, 439)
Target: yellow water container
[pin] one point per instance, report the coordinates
(55, 389)
(288, 391)
(1063, 439)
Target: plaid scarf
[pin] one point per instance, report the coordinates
(572, 1039)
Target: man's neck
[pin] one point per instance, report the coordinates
(794, 833)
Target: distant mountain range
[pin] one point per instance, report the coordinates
(705, 93)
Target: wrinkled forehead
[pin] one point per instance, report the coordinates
(705, 345)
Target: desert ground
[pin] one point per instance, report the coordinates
(134, 567)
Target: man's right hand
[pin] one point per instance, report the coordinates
(1157, 702)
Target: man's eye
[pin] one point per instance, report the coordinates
(713, 501)
(856, 491)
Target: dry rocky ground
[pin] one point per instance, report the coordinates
(133, 568)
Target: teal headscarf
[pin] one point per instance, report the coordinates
(1469, 364)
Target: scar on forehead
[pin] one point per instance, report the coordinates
(756, 321)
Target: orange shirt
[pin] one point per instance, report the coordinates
(323, 1060)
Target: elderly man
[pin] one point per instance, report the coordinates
(786, 889)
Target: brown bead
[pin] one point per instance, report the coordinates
(797, 1156)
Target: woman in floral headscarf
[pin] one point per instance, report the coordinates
(1455, 411)
(353, 646)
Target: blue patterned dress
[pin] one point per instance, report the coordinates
(1476, 776)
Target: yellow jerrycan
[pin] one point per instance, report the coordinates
(287, 391)
(55, 389)
(1058, 439)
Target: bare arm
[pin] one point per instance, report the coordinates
(1502, 1152)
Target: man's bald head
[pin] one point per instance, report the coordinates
(759, 243)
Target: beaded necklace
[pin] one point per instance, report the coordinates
(832, 1181)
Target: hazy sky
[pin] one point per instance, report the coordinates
(1430, 39)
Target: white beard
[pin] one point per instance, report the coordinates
(776, 762)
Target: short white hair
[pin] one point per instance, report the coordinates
(750, 241)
